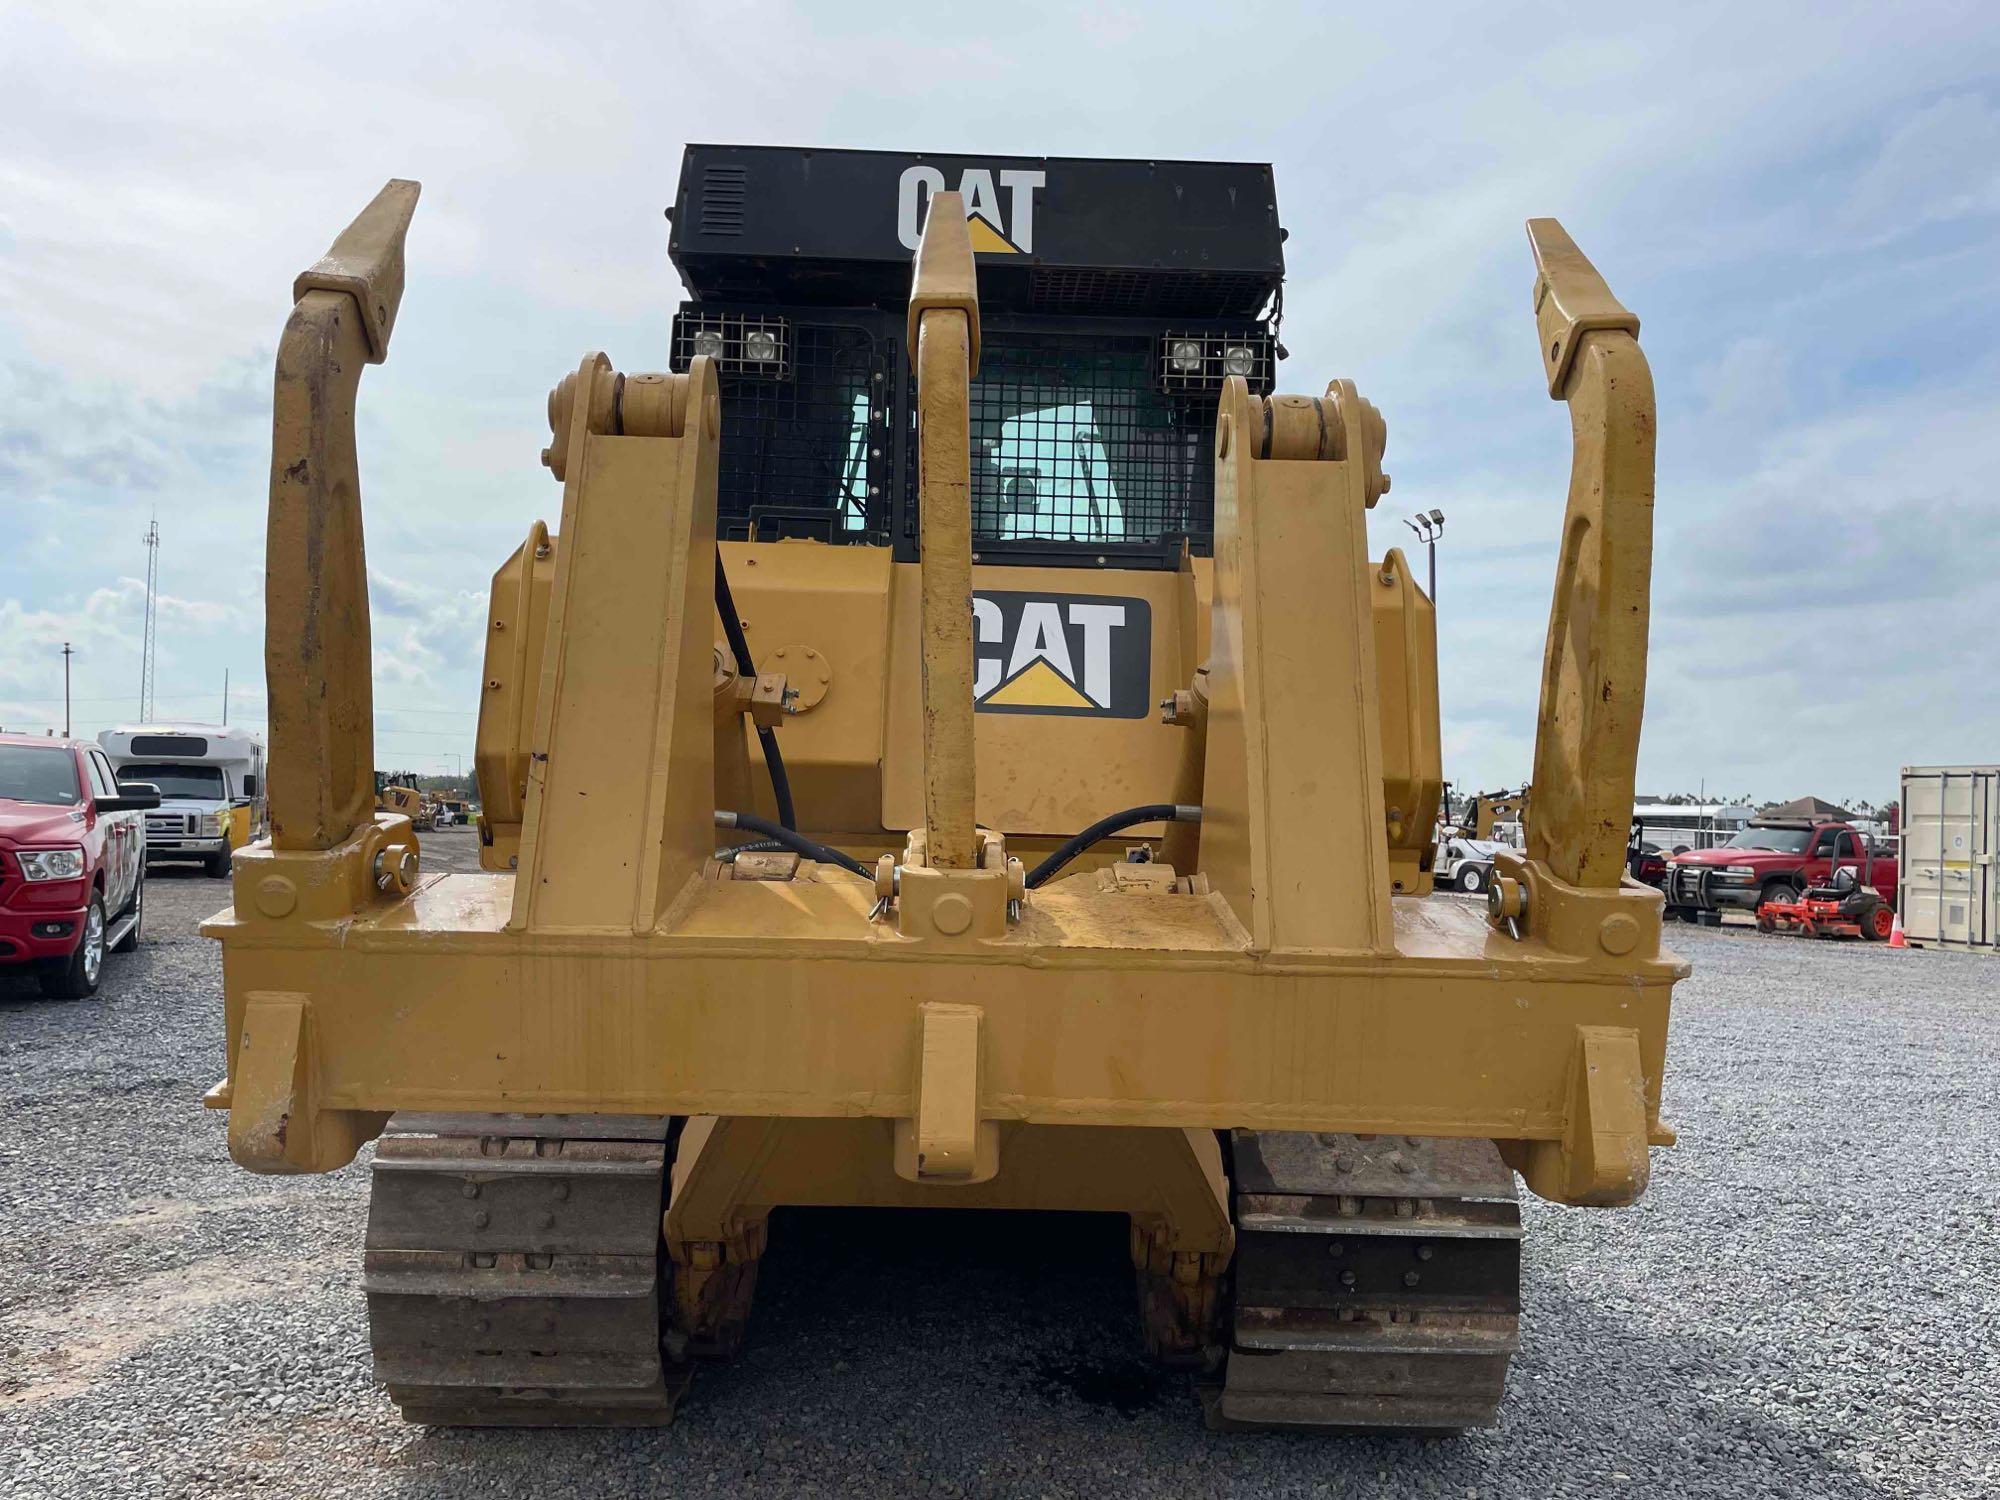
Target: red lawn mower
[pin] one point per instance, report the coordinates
(1848, 905)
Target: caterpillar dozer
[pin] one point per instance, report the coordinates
(955, 750)
(398, 792)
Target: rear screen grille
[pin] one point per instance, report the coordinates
(808, 455)
(1074, 442)
(1082, 447)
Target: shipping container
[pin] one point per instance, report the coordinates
(1951, 856)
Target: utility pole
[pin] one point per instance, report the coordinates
(152, 596)
(67, 654)
(225, 697)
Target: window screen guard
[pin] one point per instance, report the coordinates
(1078, 452)
(1073, 442)
(807, 454)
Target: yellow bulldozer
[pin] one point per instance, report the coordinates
(397, 792)
(955, 750)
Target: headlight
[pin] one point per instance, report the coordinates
(1185, 354)
(51, 864)
(1738, 870)
(1239, 359)
(211, 823)
(708, 342)
(759, 344)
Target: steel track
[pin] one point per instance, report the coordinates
(514, 1277)
(513, 1270)
(1376, 1284)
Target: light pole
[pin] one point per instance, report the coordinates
(1428, 529)
(67, 654)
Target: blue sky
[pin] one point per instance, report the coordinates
(1800, 202)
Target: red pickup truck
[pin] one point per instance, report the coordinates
(1770, 858)
(72, 861)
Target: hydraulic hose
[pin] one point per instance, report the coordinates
(729, 853)
(1103, 828)
(793, 840)
(774, 760)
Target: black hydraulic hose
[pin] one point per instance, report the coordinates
(729, 853)
(1103, 828)
(774, 760)
(793, 840)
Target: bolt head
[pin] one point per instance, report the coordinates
(951, 914)
(276, 896)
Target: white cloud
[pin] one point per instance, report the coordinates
(1940, 163)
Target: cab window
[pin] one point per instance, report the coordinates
(39, 773)
(196, 783)
(102, 783)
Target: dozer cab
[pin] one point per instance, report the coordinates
(955, 749)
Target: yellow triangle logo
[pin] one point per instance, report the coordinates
(1037, 685)
(986, 240)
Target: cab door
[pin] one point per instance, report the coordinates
(123, 833)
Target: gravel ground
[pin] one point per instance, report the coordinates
(1804, 1305)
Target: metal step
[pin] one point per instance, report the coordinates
(512, 1270)
(1376, 1284)
(119, 929)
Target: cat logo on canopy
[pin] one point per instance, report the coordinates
(1078, 654)
(999, 206)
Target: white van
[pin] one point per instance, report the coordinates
(211, 781)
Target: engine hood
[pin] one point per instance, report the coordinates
(1710, 858)
(24, 823)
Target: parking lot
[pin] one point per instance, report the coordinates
(1805, 1304)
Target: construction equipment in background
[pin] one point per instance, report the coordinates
(398, 792)
(1498, 815)
(987, 931)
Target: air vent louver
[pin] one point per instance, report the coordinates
(723, 190)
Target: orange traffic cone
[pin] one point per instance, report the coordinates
(1896, 938)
